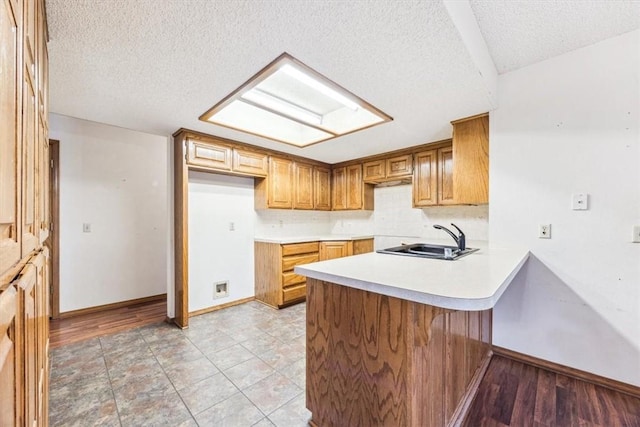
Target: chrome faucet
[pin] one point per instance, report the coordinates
(460, 238)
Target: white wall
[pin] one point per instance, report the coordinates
(394, 220)
(286, 222)
(116, 180)
(217, 253)
(566, 125)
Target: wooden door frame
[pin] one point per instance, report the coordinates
(54, 233)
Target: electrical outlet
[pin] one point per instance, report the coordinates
(636, 234)
(544, 231)
(232, 226)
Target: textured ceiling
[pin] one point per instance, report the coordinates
(519, 33)
(156, 65)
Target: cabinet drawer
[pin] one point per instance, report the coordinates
(291, 278)
(290, 262)
(215, 156)
(293, 293)
(299, 248)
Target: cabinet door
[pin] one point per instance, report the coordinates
(425, 179)
(42, 64)
(303, 186)
(212, 156)
(332, 250)
(280, 180)
(322, 189)
(10, 107)
(362, 246)
(471, 167)
(339, 189)
(374, 171)
(445, 176)
(354, 187)
(399, 166)
(26, 286)
(10, 389)
(250, 162)
(30, 228)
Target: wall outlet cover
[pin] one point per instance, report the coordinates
(544, 231)
(636, 234)
(580, 201)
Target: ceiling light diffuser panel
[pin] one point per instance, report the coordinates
(291, 103)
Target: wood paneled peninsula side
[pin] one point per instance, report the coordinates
(401, 341)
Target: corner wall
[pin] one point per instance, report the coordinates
(567, 125)
(115, 180)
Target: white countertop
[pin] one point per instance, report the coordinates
(313, 238)
(473, 282)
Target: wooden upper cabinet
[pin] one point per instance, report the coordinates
(339, 189)
(250, 162)
(10, 139)
(348, 190)
(445, 176)
(209, 155)
(391, 168)
(337, 249)
(374, 171)
(303, 186)
(425, 173)
(30, 227)
(280, 183)
(433, 177)
(471, 160)
(399, 166)
(321, 188)
(42, 61)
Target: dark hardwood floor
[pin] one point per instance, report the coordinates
(90, 325)
(515, 394)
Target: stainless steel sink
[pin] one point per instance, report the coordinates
(425, 250)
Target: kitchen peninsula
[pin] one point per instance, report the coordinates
(398, 340)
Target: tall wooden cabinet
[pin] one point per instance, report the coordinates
(24, 214)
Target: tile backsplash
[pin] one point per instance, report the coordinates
(392, 221)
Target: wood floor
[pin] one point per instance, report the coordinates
(514, 394)
(85, 326)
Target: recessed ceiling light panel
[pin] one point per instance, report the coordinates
(291, 103)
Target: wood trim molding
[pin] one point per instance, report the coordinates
(105, 307)
(220, 307)
(461, 412)
(594, 379)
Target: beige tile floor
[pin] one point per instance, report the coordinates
(240, 366)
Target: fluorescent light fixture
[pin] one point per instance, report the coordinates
(313, 83)
(271, 102)
(289, 102)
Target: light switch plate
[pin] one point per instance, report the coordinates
(636, 234)
(86, 227)
(580, 201)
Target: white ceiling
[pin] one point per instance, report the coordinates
(157, 65)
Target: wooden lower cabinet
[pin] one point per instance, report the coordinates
(337, 249)
(10, 357)
(275, 282)
(24, 347)
(375, 360)
(277, 285)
